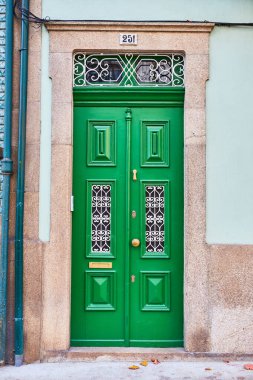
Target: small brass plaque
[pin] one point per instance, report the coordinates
(100, 265)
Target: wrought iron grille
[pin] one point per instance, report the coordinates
(128, 70)
(154, 204)
(101, 218)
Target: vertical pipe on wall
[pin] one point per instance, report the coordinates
(6, 164)
(19, 231)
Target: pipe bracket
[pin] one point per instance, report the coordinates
(6, 166)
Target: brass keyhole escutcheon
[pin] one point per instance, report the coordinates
(134, 175)
(136, 243)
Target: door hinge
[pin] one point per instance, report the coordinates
(72, 203)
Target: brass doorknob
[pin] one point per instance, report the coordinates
(136, 242)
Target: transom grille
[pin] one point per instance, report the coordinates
(128, 70)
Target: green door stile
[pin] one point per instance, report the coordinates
(127, 223)
(128, 116)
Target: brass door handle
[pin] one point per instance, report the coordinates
(136, 242)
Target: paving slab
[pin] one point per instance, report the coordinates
(97, 370)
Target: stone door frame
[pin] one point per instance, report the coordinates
(65, 38)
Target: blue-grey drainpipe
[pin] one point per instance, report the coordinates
(6, 164)
(19, 230)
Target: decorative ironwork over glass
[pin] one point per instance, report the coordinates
(154, 205)
(101, 218)
(128, 70)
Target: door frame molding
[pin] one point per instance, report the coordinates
(65, 38)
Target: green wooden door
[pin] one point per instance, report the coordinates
(127, 256)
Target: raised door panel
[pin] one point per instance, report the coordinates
(155, 291)
(101, 149)
(155, 143)
(100, 290)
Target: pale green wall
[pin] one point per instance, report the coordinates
(229, 101)
(224, 10)
(230, 137)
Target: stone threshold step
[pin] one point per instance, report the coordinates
(82, 354)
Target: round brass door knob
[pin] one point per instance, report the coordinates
(136, 242)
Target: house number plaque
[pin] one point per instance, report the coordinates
(128, 39)
(100, 265)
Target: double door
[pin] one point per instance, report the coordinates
(127, 256)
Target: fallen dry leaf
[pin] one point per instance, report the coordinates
(155, 361)
(248, 366)
(226, 361)
(208, 369)
(134, 367)
(144, 363)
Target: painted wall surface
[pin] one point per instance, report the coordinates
(230, 137)
(143, 10)
(229, 99)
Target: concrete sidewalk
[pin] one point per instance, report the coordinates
(100, 370)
